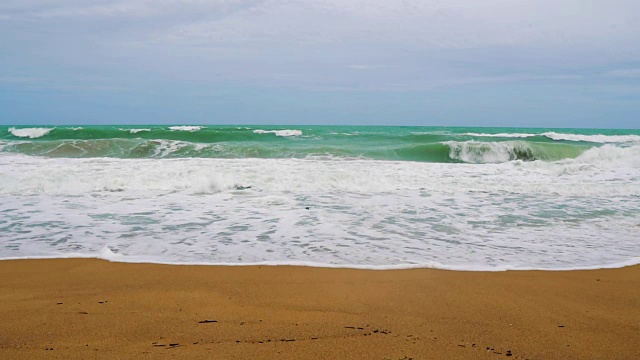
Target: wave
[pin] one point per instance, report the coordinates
(610, 155)
(188, 211)
(283, 133)
(598, 138)
(135, 131)
(396, 144)
(476, 152)
(31, 133)
(450, 151)
(185, 128)
(606, 171)
(502, 135)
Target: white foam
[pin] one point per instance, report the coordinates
(167, 147)
(31, 133)
(108, 255)
(475, 152)
(593, 138)
(502, 135)
(23, 174)
(361, 213)
(135, 131)
(283, 133)
(185, 128)
(610, 156)
(598, 138)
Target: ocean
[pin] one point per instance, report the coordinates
(336, 196)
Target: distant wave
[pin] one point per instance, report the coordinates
(593, 138)
(30, 133)
(135, 131)
(597, 138)
(284, 133)
(467, 146)
(502, 135)
(185, 128)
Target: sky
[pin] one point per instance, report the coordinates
(520, 63)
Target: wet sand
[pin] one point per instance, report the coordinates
(93, 309)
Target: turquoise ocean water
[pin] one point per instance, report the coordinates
(431, 144)
(350, 196)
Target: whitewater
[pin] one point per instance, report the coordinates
(336, 196)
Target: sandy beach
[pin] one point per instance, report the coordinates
(94, 309)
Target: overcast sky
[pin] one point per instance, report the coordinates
(535, 63)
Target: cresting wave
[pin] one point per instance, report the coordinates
(31, 133)
(213, 176)
(283, 133)
(594, 138)
(474, 152)
(135, 131)
(393, 143)
(185, 128)
(597, 138)
(500, 135)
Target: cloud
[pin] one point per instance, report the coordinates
(624, 73)
(451, 82)
(115, 8)
(413, 24)
(103, 10)
(419, 24)
(19, 79)
(367, 67)
(515, 78)
(345, 44)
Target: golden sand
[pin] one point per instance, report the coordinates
(93, 309)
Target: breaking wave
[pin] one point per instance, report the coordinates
(593, 138)
(31, 133)
(135, 131)
(598, 138)
(283, 133)
(502, 135)
(185, 128)
(476, 152)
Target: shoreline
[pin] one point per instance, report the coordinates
(89, 308)
(305, 264)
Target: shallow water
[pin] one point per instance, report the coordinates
(481, 208)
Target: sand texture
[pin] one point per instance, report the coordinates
(93, 309)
